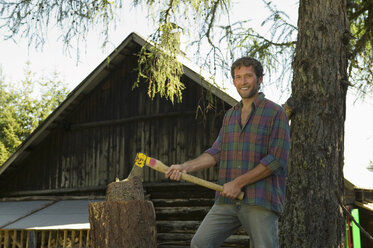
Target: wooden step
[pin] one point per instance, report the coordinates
(186, 202)
(170, 190)
(181, 213)
(180, 194)
(177, 226)
(183, 239)
(183, 226)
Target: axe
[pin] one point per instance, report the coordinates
(142, 159)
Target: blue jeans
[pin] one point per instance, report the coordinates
(223, 220)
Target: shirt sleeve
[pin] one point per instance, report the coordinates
(215, 150)
(279, 144)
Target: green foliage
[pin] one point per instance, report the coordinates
(218, 42)
(24, 106)
(215, 43)
(224, 43)
(274, 49)
(360, 14)
(159, 66)
(74, 19)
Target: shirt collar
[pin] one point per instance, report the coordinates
(258, 99)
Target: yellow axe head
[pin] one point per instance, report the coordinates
(142, 159)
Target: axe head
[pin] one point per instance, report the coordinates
(141, 160)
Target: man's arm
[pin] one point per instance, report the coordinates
(233, 188)
(203, 161)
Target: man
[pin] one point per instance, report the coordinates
(252, 151)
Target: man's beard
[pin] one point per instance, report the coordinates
(252, 92)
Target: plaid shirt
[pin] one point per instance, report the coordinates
(264, 139)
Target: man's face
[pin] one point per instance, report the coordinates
(246, 82)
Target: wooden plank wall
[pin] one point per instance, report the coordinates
(99, 139)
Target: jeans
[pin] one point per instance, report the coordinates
(223, 220)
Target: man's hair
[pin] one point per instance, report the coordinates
(248, 61)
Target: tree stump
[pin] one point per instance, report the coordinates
(125, 219)
(128, 189)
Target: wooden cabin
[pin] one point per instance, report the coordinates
(92, 138)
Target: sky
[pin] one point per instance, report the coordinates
(52, 58)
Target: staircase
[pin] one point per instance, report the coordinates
(180, 208)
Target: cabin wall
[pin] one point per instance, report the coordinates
(100, 137)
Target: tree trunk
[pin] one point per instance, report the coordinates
(313, 217)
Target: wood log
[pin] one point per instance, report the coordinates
(125, 219)
(128, 189)
(123, 224)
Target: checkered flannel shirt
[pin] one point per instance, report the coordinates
(264, 139)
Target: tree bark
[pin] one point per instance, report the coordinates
(312, 216)
(129, 224)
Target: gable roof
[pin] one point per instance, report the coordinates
(133, 41)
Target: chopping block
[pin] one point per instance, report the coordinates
(125, 218)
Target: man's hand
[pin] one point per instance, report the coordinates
(231, 190)
(174, 172)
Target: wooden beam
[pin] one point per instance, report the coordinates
(87, 244)
(14, 238)
(27, 239)
(42, 238)
(57, 238)
(22, 234)
(72, 238)
(131, 119)
(64, 239)
(49, 239)
(81, 239)
(365, 206)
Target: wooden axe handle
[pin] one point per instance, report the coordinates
(142, 159)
